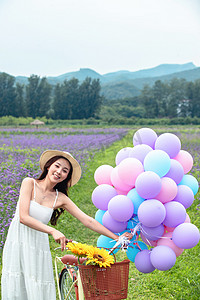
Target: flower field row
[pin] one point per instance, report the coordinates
(20, 152)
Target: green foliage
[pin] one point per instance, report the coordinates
(37, 96)
(74, 101)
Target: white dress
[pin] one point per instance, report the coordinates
(27, 264)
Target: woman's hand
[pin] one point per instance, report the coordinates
(128, 235)
(60, 238)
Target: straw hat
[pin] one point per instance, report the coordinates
(48, 154)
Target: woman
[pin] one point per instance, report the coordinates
(27, 265)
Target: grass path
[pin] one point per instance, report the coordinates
(181, 282)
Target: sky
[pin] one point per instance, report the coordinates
(53, 37)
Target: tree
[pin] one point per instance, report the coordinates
(176, 95)
(7, 95)
(20, 110)
(148, 102)
(37, 96)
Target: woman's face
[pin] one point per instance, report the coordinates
(59, 170)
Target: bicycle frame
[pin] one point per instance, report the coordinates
(70, 262)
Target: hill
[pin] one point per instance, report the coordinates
(122, 84)
(131, 88)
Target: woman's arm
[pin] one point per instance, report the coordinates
(26, 219)
(88, 221)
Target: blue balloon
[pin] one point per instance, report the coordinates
(157, 161)
(136, 199)
(191, 182)
(106, 243)
(133, 250)
(99, 215)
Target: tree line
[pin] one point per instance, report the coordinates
(69, 100)
(172, 99)
(75, 100)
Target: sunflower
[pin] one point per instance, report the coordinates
(99, 257)
(78, 249)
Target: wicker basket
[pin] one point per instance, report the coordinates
(105, 283)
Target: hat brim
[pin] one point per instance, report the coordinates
(48, 154)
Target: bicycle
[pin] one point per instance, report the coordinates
(71, 285)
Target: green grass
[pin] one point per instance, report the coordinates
(181, 282)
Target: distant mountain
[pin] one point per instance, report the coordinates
(160, 70)
(80, 75)
(124, 83)
(132, 87)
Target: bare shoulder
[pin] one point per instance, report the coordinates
(27, 181)
(64, 201)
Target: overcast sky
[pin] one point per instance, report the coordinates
(53, 37)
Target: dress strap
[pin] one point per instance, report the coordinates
(34, 192)
(55, 199)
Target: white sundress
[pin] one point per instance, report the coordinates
(27, 272)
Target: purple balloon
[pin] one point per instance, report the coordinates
(153, 233)
(163, 258)
(175, 214)
(140, 151)
(143, 262)
(112, 224)
(102, 194)
(122, 154)
(120, 208)
(176, 171)
(186, 236)
(145, 136)
(151, 213)
(184, 196)
(169, 143)
(148, 185)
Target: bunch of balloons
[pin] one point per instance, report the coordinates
(148, 192)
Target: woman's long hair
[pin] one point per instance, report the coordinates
(62, 187)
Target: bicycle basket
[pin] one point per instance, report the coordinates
(105, 283)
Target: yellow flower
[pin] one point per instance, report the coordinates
(78, 249)
(99, 257)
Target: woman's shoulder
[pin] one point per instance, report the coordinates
(63, 199)
(28, 181)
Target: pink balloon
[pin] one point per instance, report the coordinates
(129, 169)
(166, 240)
(117, 182)
(122, 154)
(102, 175)
(187, 220)
(121, 192)
(148, 242)
(185, 159)
(169, 229)
(168, 190)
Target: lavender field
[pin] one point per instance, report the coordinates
(20, 150)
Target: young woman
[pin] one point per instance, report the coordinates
(27, 264)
